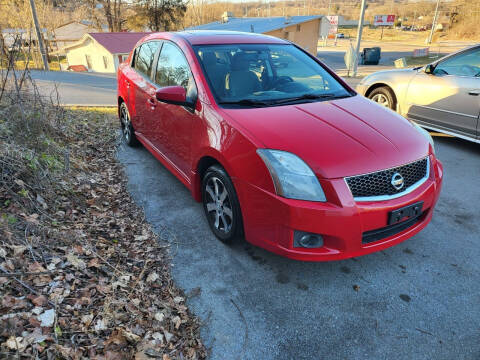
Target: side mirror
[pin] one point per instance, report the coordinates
(429, 69)
(173, 95)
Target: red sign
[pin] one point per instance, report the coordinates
(384, 20)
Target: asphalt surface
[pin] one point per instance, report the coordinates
(417, 300)
(77, 88)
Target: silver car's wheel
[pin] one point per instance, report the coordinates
(382, 100)
(384, 96)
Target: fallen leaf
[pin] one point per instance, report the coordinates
(100, 325)
(15, 343)
(168, 336)
(18, 250)
(159, 316)
(40, 300)
(47, 318)
(131, 337)
(177, 322)
(75, 261)
(42, 202)
(152, 277)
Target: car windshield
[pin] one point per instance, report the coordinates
(265, 75)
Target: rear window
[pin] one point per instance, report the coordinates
(144, 56)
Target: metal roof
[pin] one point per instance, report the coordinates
(114, 42)
(255, 24)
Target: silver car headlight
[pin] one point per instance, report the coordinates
(292, 178)
(425, 133)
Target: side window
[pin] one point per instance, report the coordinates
(144, 57)
(173, 70)
(466, 64)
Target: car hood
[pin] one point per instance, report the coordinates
(392, 75)
(335, 138)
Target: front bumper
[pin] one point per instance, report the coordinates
(270, 220)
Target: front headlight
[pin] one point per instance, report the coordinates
(293, 178)
(425, 133)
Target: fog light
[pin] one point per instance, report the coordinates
(307, 240)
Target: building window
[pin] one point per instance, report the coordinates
(298, 27)
(105, 62)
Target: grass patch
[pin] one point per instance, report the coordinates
(423, 60)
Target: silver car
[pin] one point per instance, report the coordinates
(442, 96)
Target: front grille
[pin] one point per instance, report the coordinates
(391, 230)
(379, 183)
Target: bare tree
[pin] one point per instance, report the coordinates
(163, 15)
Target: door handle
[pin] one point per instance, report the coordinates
(152, 102)
(474, 92)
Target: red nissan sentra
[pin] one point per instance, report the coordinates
(276, 146)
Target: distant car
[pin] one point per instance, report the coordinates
(277, 146)
(443, 96)
(340, 36)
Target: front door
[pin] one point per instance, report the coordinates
(142, 86)
(449, 98)
(172, 124)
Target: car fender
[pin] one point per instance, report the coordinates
(397, 80)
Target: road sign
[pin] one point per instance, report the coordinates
(333, 28)
(328, 26)
(384, 20)
(420, 52)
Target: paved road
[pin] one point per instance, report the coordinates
(418, 300)
(78, 88)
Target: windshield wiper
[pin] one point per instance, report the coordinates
(308, 97)
(246, 102)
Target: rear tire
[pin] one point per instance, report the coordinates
(221, 205)
(128, 132)
(383, 96)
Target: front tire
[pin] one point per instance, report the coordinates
(221, 205)
(383, 96)
(127, 127)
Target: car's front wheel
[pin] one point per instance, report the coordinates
(127, 127)
(383, 96)
(221, 204)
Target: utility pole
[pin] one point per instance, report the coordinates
(328, 17)
(41, 46)
(359, 36)
(434, 24)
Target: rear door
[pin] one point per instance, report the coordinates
(448, 99)
(141, 86)
(173, 124)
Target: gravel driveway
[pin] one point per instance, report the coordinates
(418, 300)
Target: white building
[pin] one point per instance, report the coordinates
(72, 32)
(102, 52)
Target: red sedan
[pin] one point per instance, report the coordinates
(278, 148)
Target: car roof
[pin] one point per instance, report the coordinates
(207, 37)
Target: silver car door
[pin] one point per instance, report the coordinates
(449, 97)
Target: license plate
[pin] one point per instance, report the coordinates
(405, 213)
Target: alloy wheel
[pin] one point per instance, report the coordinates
(381, 99)
(126, 126)
(218, 204)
